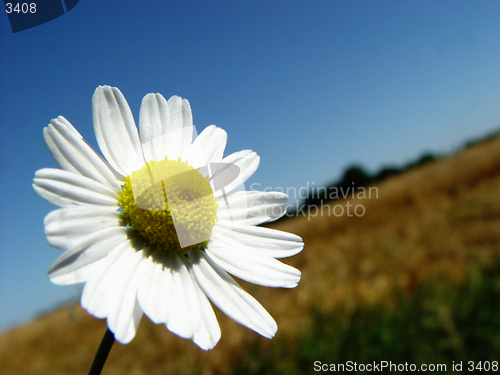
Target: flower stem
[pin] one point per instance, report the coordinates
(102, 353)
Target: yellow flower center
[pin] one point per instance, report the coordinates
(170, 205)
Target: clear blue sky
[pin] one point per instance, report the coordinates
(311, 86)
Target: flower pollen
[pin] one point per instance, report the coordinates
(170, 205)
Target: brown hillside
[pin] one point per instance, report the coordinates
(432, 223)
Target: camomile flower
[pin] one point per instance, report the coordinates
(156, 225)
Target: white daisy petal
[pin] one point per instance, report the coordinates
(154, 120)
(68, 226)
(265, 241)
(208, 147)
(115, 130)
(164, 304)
(124, 312)
(254, 268)
(209, 333)
(247, 161)
(153, 291)
(228, 296)
(185, 316)
(81, 274)
(64, 188)
(93, 248)
(96, 293)
(252, 207)
(73, 154)
(179, 128)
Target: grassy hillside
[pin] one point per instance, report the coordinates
(416, 279)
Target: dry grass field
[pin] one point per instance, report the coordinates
(437, 225)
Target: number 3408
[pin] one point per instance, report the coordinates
(21, 8)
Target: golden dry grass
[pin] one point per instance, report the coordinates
(432, 223)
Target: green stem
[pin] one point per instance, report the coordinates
(102, 353)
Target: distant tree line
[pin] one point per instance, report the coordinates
(356, 177)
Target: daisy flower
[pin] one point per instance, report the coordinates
(156, 225)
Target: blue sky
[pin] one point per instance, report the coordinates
(311, 86)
